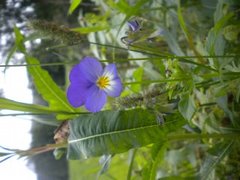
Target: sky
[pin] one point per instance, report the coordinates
(15, 131)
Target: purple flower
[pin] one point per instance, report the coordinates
(134, 25)
(91, 84)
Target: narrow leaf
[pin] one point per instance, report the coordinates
(157, 160)
(10, 55)
(48, 89)
(18, 106)
(87, 30)
(19, 40)
(73, 6)
(111, 132)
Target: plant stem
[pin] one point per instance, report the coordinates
(208, 104)
(131, 164)
(39, 150)
(43, 64)
(154, 81)
(202, 136)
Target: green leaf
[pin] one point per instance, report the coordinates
(49, 90)
(10, 54)
(157, 160)
(86, 30)
(187, 107)
(19, 40)
(18, 106)
(19, 45)
(172, 43)
(73, 6)
(137, 75)
(182, 22)
(111, 132)
(89, 168)
(215, 35)
(218, 153)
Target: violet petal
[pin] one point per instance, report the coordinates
(91, 68)
(96, 99)
(76, 75)
(76, 94)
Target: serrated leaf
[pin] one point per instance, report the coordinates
(49, 90)
(73, 6)
(111, 132)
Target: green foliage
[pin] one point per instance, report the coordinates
(186, 107)
(180, 69)
(19, 40)
(18, 106)
(49, 90)
(111, 132)
(18, 46)
(137, 75)
(74, 5)
(216, 155)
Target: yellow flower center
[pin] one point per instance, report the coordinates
(103, 82)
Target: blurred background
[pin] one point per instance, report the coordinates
(23, 132)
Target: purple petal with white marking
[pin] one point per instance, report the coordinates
(115, 88)
(96, 99)
(110, 71)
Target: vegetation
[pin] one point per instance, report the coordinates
(178, 115)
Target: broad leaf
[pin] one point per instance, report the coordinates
(48, 89)
(111, 132)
